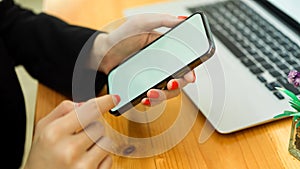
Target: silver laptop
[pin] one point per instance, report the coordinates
(257, 43)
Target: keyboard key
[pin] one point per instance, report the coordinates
(275, 47)
(274, 59)
(278, 95)
(288, 86)
(283, 54)
(286, 71)
(256, 70)
(251, 51)
(297, 68)
(282, 66)
(262, 79)
(296, 53)
(259, 45)
(270, 87)
(258, 58)
(275, 84)
(274, 73)
(245, 45)
(266, 65)
(292, 62)
(266, 51)
(233, 48)
(247, 62)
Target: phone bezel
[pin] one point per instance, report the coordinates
(162, 84)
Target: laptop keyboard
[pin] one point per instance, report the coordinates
(259, 46)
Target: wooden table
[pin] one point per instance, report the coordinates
(264, 146)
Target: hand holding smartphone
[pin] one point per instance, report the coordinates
(172, 55)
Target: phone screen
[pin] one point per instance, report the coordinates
(179, 48)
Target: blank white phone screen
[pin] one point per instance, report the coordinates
(174, 50)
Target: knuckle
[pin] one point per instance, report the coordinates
(109, 158)
(98, 125)
(133, 21)
(67, 104)
(70, 154)
(50, 135)
(84, 164)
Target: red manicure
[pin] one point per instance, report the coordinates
(174, 85)
(116, 99)
(146, 102)
(182, 17)
(79, 104)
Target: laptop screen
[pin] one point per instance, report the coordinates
(287, 10)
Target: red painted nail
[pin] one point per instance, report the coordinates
(116, 99)
(174, 85)
(153, 94)
(182, 17)
(79, 104)
(146, 102)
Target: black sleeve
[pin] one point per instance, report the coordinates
(45, 45)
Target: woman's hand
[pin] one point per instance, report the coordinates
(174, 86)
(60, 141)
(135, 33)
(131, 36)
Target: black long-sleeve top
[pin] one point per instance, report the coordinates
(48, 48)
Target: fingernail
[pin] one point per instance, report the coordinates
(182, 17)
(174, 85)
(79, 104)
(153, 94)
(116, 99)
(194, 76)
(146, 101)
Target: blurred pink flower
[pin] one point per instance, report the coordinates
(294, 78)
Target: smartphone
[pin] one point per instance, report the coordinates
(176, 52)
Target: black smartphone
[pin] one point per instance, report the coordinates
(172, 55)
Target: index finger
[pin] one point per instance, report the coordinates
(141, 23)
(88, 112)
(150, 21)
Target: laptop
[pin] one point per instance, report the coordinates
(257, 44)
